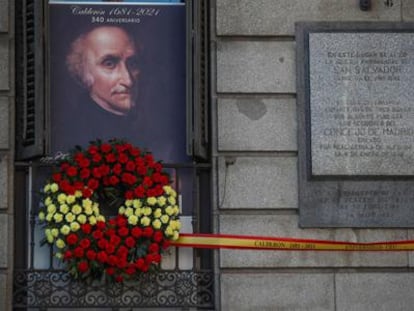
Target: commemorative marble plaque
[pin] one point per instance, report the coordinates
(356, 124)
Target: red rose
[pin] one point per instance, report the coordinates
(123, 231)
(104, 169)
(93, 149)
(96, 172)
(156, 258)
(72, 171)
(110, 271)
(147, 181)
(110, 158)
(102, 256)
(139, 192)
(84, 163)
(148, 232)
(84, 173)
(122, 262)
(165, 244)
(115, 240)
(110, 248)
(110, 232)
(78, 252)
(122, 158)
(117, 169)
(83, 266)
(78, 185)
(158, 236)
(139, 263)
(121, 221)
(130, 270)
(67, 255)
(112, 260)
(158, 167)
(100, 225)
(91, 255)
(142, 170)
(122, 251)
(57, 177)
(96, 158)
(119, 279)
(98, 234)
(72, 239)
(87, 193)
(134, 151)
(153, 248)
(102, 244)
(93, 184)
(129, 195)
(130, 242)
(85, 243)
(113, 180)
(130, 166)
(86, 228)
(105, 148)
(136, 232)
(64, 166)
(149, 158)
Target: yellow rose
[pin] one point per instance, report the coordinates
(49, 236)
(88, 211)
(145, 221)
(58, 217)
(151, 201)
(157, 213)
(87, 203)
(171, 200)
(46, 188)
(51, 208)
(129, 211)
(156, 224)
(176, 210)
(54, 187)
(48, 201)
(95, 208)
(100, 218)
(64, 209)
(49, 217)
(169, 210)
(121, 210)
(41, 216)
(138, 212)
(175, 236)
(78, 194)
(60, 243)
(69, 217)
(147, 211)
(137, 203)
(175, 224)
(161, 201)
(54, 232)
(70, 199)
(61, 198)
(165, 219)
(74, 226)
(92, 220)
(133, 220)
(169, 231)
(82, 219)
(128, 203)
(65, 230)
(76, 209)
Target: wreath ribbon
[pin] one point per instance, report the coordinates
(214, 241)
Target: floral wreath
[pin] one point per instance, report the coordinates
(118, 247)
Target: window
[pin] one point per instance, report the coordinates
(186, 278)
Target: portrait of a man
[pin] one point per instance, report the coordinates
(120, 73)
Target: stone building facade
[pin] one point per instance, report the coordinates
(254, 157)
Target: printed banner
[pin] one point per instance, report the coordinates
(286, 244)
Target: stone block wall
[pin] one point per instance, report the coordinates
(255, 153)
(6, 153)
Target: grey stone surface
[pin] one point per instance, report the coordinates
(361, 114)
(261, 66)
(4, 62)
(408, 10)
(286, 226)
(4, 240)
(3, 292)
(4, 123)
(277, 291)
(258, 182)
(262, 124)
(4, 15)
(374, 291)
(4, 178)
(278, 17)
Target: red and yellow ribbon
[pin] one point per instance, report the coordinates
(274, 243)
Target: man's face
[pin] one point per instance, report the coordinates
(111, 70)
